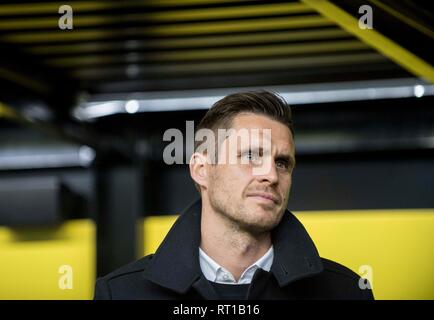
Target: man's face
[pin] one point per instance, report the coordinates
(255, 202)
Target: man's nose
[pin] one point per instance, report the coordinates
(269, 172)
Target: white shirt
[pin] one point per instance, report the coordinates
(216, 273)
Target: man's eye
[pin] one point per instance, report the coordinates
(251, 156)
(282, 165)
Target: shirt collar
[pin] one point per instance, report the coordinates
(216, 273)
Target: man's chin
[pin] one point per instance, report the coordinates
(259, 228)
(263, 223)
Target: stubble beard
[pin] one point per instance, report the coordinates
(238, 216)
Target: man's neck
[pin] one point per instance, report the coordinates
(230, 247)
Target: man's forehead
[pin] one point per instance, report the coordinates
(258, 121)
(259, 125)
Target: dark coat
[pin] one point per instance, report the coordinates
(173, 272)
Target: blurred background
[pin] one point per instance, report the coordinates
(88, 90)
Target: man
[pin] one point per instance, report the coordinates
(239, 241)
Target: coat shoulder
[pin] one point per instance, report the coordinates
(116, 284)
(338, 282)
(331, 266)
(137, 266)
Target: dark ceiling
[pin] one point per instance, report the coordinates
(128, 46)
(125, 47)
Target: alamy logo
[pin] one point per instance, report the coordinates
(66, 280)
(66, 20)
(366, 20)
(366, 280)
(243, 146)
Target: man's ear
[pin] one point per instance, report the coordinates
(198, 170)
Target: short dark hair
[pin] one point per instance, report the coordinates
(262, 102)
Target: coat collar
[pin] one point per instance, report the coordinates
(175, 265)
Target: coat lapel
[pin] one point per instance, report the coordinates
(175, 264)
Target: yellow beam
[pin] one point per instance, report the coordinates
(193, 42)
(157, 17)
(221, 53)
(387, 47)
(180, 3)
(53, 7)
(241, 25)
(406, 19)
(23, 81)
(83, 6)
(58, 35)
(243, 65)
(230, 12)
(181, 29)
(7, 112)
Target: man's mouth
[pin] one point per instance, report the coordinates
(266, 197)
